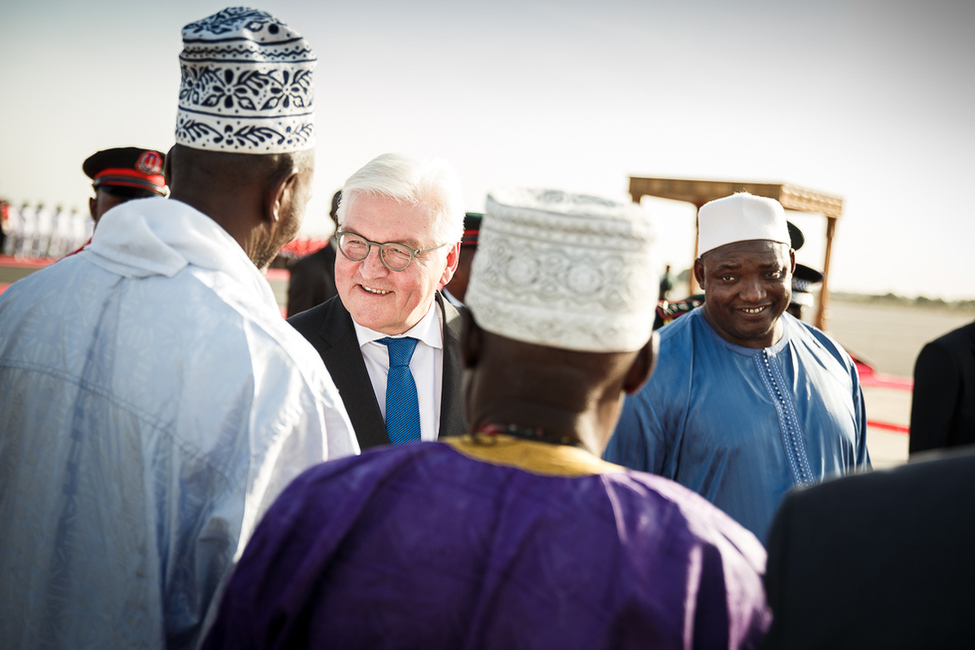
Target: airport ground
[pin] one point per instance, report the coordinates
(889, 338)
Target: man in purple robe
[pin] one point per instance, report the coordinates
(517, 535)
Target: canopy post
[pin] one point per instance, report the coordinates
(822, 312)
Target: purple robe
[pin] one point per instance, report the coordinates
(505, 544)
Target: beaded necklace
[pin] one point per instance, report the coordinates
(485, 432)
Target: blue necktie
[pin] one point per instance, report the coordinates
(402, 408)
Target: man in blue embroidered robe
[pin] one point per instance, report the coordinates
(747, 401)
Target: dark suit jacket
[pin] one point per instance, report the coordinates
(943, 406)
(312, 279)
(882, 559)
(329, 329)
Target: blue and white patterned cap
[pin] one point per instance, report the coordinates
(246, 85)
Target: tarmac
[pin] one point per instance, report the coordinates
(888, 339)
(887, 408)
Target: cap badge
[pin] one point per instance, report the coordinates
(149, 163)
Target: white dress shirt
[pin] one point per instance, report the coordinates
(426, 366)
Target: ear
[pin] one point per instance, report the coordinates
(453, 258)
(92, 207)
(642, 367)
(792, 259)
(280, 193)
(699, 272)
(470, 340)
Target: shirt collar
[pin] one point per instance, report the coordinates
(428, 330)
(740, 349)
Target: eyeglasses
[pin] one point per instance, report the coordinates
(395, 257)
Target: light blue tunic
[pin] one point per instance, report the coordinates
(742, 426)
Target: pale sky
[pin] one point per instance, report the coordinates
(869, 100)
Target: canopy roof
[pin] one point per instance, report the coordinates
(791, 197)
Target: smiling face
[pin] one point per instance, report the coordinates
(387, 301)
(747, 286)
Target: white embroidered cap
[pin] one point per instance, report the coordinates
(246, 85)
(740, 217)
(566, 271)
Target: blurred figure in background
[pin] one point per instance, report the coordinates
(118, 175)
(804, 279)
(943, 404)
(312, 278)
(667, 282)
(456, 289)
(25, 229)
(4, 225)
(121, 174)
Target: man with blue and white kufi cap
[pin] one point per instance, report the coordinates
(155, 401)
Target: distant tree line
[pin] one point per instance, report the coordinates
(894, 299)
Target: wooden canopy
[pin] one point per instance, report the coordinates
(791, 197)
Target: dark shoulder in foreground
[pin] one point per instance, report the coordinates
(881, 559)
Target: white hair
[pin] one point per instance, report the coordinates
(429, 182)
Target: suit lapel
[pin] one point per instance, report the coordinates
(338, 346)
(339, 349)
(452, 422)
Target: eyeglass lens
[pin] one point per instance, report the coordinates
(396, 257)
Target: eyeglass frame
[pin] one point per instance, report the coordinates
(381, 246)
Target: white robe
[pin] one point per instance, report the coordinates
(153, 403)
